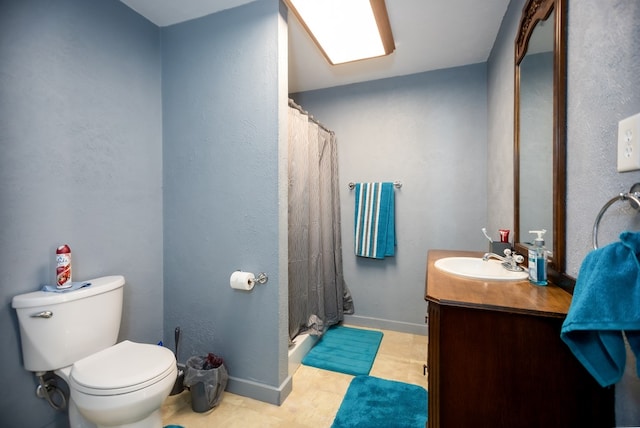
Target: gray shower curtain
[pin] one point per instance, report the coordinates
(318, 296)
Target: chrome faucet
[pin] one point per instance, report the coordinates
(509, 261)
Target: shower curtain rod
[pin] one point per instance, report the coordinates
(311, 118)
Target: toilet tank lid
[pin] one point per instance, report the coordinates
(40, 298)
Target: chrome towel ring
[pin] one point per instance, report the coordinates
(634, 201)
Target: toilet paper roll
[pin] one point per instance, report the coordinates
(242, 280)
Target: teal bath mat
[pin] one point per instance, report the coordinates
(371, 402)
(345, 350)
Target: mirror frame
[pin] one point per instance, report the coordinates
(533, 12)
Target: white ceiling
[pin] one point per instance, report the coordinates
(429, 35)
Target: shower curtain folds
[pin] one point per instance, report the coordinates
(317, 292)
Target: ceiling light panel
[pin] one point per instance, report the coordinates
(346, 30)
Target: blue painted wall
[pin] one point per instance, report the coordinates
(428, 131)
(80, 163)
(500, 112)
(603, 87)
(221, 103)
(81, 136)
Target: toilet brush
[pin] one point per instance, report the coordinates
(178, 386)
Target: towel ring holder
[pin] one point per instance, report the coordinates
(633, 196)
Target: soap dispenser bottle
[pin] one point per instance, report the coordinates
(538, 259)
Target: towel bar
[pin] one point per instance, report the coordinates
(633, 195)
(396, 184)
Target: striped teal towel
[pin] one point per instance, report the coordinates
(375, 230)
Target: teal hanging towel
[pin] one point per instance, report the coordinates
(375, 230)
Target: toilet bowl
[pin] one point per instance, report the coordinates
(121, 386)
(73, 334)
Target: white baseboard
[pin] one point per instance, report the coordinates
(403, 327)
(260, 391)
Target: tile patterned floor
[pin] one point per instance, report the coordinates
(316, 394)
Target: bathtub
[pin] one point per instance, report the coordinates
(301, 345)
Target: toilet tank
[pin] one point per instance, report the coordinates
(58, 329)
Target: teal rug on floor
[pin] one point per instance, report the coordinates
(371, 402)
(345, 350)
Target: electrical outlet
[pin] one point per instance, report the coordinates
(629, 144)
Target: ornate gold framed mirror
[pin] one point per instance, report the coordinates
(540, 132)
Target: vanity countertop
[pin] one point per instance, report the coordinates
(512, 296)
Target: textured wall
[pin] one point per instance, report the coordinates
(81, 163)
(500, 84)
(221, 102)
(603, 87)
(600, 93)
(429, 132)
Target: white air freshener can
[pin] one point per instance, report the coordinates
(63, 267)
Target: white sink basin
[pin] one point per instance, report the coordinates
(476, 268)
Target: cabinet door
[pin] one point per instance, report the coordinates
(500, 369)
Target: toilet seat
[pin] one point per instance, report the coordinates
(122, 368)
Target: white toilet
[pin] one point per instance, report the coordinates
(74, 335)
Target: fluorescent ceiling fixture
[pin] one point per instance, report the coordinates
(346, 30)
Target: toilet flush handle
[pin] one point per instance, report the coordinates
(43, 314)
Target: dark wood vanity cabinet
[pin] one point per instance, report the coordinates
(495, 357)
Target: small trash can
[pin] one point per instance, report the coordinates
(207, 378)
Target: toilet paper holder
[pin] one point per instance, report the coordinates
(261, 278)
